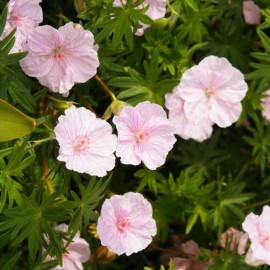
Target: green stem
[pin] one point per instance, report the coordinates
(38, 142)
(172, 9)
(257, 204)
(106, 88)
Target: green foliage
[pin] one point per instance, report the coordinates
(84, 206)
(150, 86)
(260, 143)
(35, 215)
(203, 188)
(21, 157)
(149, 179)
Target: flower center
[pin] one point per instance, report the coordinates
(58, 52)
(141, 136)
(209, 91)
(81, 143)
(123, 224)
(15, 20)
(265, 241)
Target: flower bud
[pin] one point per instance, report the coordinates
(115, 108)
(79, 6)
(160, 23)
(61, 105)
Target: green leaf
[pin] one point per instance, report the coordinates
(13, 123)
(3, 19)
(90, 197)
(9, 263)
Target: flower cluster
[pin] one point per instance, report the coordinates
(87, 144)
(208, 93)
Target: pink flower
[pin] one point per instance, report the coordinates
(125, 224)
(144, 134)
(156, 10)
(86, 143)
(185, 128)
(251, 12)
(60, 58)
(236, 239)
(78, 252)
(251, 260)
(24, 15)
(213, 89)
(266, 105)
(258, 229)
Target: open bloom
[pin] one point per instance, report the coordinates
(185, 128)
(86, 143)
(78, 252)
(125, 224)
(24, 15)
(213, 89)
(156, 10)
(258, 229)
(60, 58)
(251, 12)
(266, 105)
(144, 134)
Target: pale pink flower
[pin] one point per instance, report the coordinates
(78, 252)
(185, 128)
(144, 135)
(24, 15)
(213, 89)
(251, 260)
(156, 10)
(258, 229)
(236, 239)
(60, 58)
(86, 142)
(266, 105)
(251, 12)
(125, 224)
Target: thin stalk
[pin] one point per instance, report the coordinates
(106, 88)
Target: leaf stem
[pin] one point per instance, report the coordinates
(47, 174)
(38, 142)
(106, 88)
(172, 9)
(257, 204)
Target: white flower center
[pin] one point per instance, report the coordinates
(141, 136)
(58, 52)
(81, 143)
(15, 20)
(123, 224)
(210, 91)
(265, 241)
